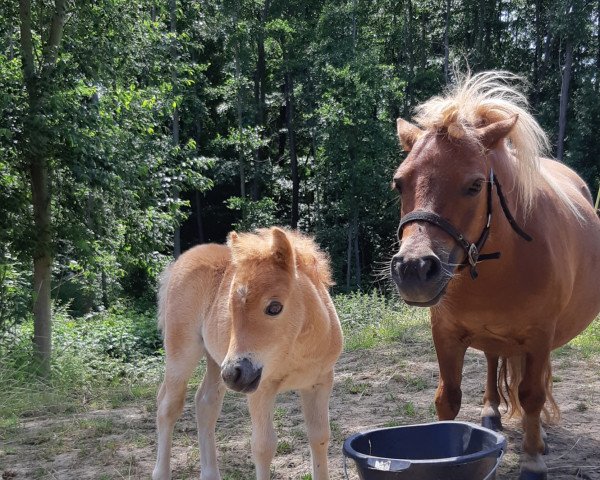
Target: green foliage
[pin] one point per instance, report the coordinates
(120, 349)
(370, 319)
(254, 214)
(241, 78)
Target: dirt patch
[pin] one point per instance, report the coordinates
(379, 387)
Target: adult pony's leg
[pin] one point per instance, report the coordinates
(315, 406)
(180, 364)
(264, 438)
(209, 401)
(532, 396)
(450, 353)
(490, 414)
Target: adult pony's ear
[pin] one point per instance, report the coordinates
(491, 134)
(407, 133)
(282, 250)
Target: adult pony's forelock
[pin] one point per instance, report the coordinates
(478, 100)
(257, 246)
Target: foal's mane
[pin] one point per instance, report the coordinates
(310, 259)
(487, 97)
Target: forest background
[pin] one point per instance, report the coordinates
(133, 130)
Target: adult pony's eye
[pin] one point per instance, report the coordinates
(396, 185)
(274, 308)
(475, 188)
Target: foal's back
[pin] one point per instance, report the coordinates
(189, 289)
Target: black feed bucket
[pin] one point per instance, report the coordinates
(430, 451)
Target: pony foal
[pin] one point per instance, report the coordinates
(259, 311)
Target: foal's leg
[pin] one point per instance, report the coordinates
(209, 401)
(264, 438)
(450, 353)
(315, 406)
(180, 364)
(532, 396)
(490, 414)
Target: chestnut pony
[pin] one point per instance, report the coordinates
(502, 245)
(259, 311)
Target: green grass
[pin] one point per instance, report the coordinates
(113, 359)
(588, 341)
(371, 319)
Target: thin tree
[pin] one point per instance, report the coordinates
(38, 80)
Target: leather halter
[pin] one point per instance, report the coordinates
(472, 250)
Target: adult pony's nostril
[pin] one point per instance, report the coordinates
(429, 268)
(415, 271)
(396, 265)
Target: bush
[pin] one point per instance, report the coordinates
(371, 318)
(92, 355)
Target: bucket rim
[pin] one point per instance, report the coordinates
(405, 463)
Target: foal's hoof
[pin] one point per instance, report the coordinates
(529, 475)
(493, 423)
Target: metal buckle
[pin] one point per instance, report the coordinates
(473, 254)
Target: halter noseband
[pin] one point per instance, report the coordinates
(472, 250)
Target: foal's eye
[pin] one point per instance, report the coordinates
(475, 188)
(274, 308)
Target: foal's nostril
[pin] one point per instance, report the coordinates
(241, 375)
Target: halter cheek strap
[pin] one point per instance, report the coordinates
(472, 250)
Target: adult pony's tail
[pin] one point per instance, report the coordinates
(509, 378)
(163, 285)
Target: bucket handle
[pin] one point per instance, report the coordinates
(487, 477)
(498, 460)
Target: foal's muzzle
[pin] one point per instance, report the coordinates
(419, 280)
(241, 375)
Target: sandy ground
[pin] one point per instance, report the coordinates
(386, 386)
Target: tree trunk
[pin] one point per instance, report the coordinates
(175, 119)
(356, 250)
(289, 120)
(238, 78)
(411, 60)
(447, 43)
(349, 257)
(564, 101)
(538, 53)
(199, 224)
(260, 78)
(42, 265)
(598, 58)
(34, 151)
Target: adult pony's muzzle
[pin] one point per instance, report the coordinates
(420, 280)
(241, 375)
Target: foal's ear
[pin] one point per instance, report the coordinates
(282, 249)
(494, 132)
(407, 133)
(232, 238)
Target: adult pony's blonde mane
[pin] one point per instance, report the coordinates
(484, 98)
(256, 247)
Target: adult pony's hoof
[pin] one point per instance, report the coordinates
(529, 475)
(493, 423)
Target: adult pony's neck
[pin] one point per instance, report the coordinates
(487, 97)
